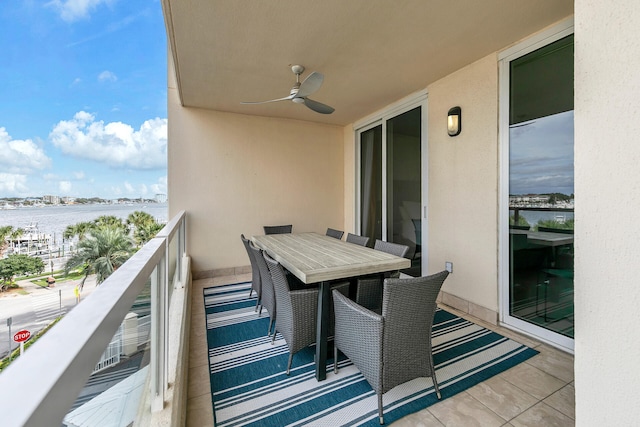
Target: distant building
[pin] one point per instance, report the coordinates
(54, 200)
(161, 198)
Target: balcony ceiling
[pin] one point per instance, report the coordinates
(371, 52)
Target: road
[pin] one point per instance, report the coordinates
(35, 310)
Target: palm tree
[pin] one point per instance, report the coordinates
(80, 229)
(111, 221)
(146, 232)
(145, 226)
(8, 231)
(138, 218)
(102, 251)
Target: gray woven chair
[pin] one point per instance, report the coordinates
(358, 240)
(278, 229)
(256, 284)
(369, 289)
(394, 347)
(335, 233)
(391, 248)
(268, 294)
(297, 311)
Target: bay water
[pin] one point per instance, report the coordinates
(54, 219)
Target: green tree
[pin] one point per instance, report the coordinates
(8, 231)
(146, 232)
(18, 265)
(144, 225)
(103, 250)
(111, 221)
(80, 229)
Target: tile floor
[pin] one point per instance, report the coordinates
(538, 392)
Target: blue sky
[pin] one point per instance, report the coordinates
(83, 108)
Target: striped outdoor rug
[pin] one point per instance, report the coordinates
(249, 385)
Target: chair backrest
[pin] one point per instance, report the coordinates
(255, 272)
(278, 229)
(268, 295)
(358, 240)
(391, 248)
(408, 309)
(335, 233)
(281, 290)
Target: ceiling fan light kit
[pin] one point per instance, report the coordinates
(300, 92)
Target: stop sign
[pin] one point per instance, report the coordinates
(21, 336)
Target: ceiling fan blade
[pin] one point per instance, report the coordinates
(286, 98)
(318, 107)
(311, 84)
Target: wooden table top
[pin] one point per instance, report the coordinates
(546, 238)
(314, 258)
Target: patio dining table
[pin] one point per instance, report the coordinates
(315, 258)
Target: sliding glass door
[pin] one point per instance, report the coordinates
(391, 182)
(539, 285)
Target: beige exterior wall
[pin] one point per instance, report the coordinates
(607, 153)
(463, 183)
(234, 173)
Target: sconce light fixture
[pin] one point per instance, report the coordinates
(454, 121)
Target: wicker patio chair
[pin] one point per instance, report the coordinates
(358, 240)
(268, 294)
(369, 288)
(335, 233)
(297, 311)
(278, 229)
(395, 346)
(256, 284)
(391, 248)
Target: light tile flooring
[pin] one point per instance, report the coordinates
(538, 392)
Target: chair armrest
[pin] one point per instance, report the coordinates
(358, 334)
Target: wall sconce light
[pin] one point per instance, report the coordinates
(454, 121)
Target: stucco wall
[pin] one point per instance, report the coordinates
(607, 270)
(235, 173)
(463, 182)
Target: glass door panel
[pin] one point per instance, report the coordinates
(371, 184)
(404, 184)
(541, 196)
(391, 183)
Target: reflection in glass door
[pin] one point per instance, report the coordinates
(541, 198)
(390, 183)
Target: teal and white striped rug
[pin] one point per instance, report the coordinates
(249, 385)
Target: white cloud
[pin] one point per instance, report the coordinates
(160, 187)
(50, 177)
(74, 10)
(129, 188)
(21, 156)
(78, 175)
(13, 184)
(117, 144)
(65, 187)
(107, 76)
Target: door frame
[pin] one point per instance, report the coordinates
(563, 29)
(418, 99)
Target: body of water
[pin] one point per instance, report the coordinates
(55, 219)
(533, 217)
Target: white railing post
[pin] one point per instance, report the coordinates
(158, 336)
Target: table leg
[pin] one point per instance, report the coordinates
(322, 330)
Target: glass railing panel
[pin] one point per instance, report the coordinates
(105, 345)
(113, 392)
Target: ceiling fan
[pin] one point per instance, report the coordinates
(300, 91)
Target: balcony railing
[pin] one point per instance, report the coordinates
(43, 384)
